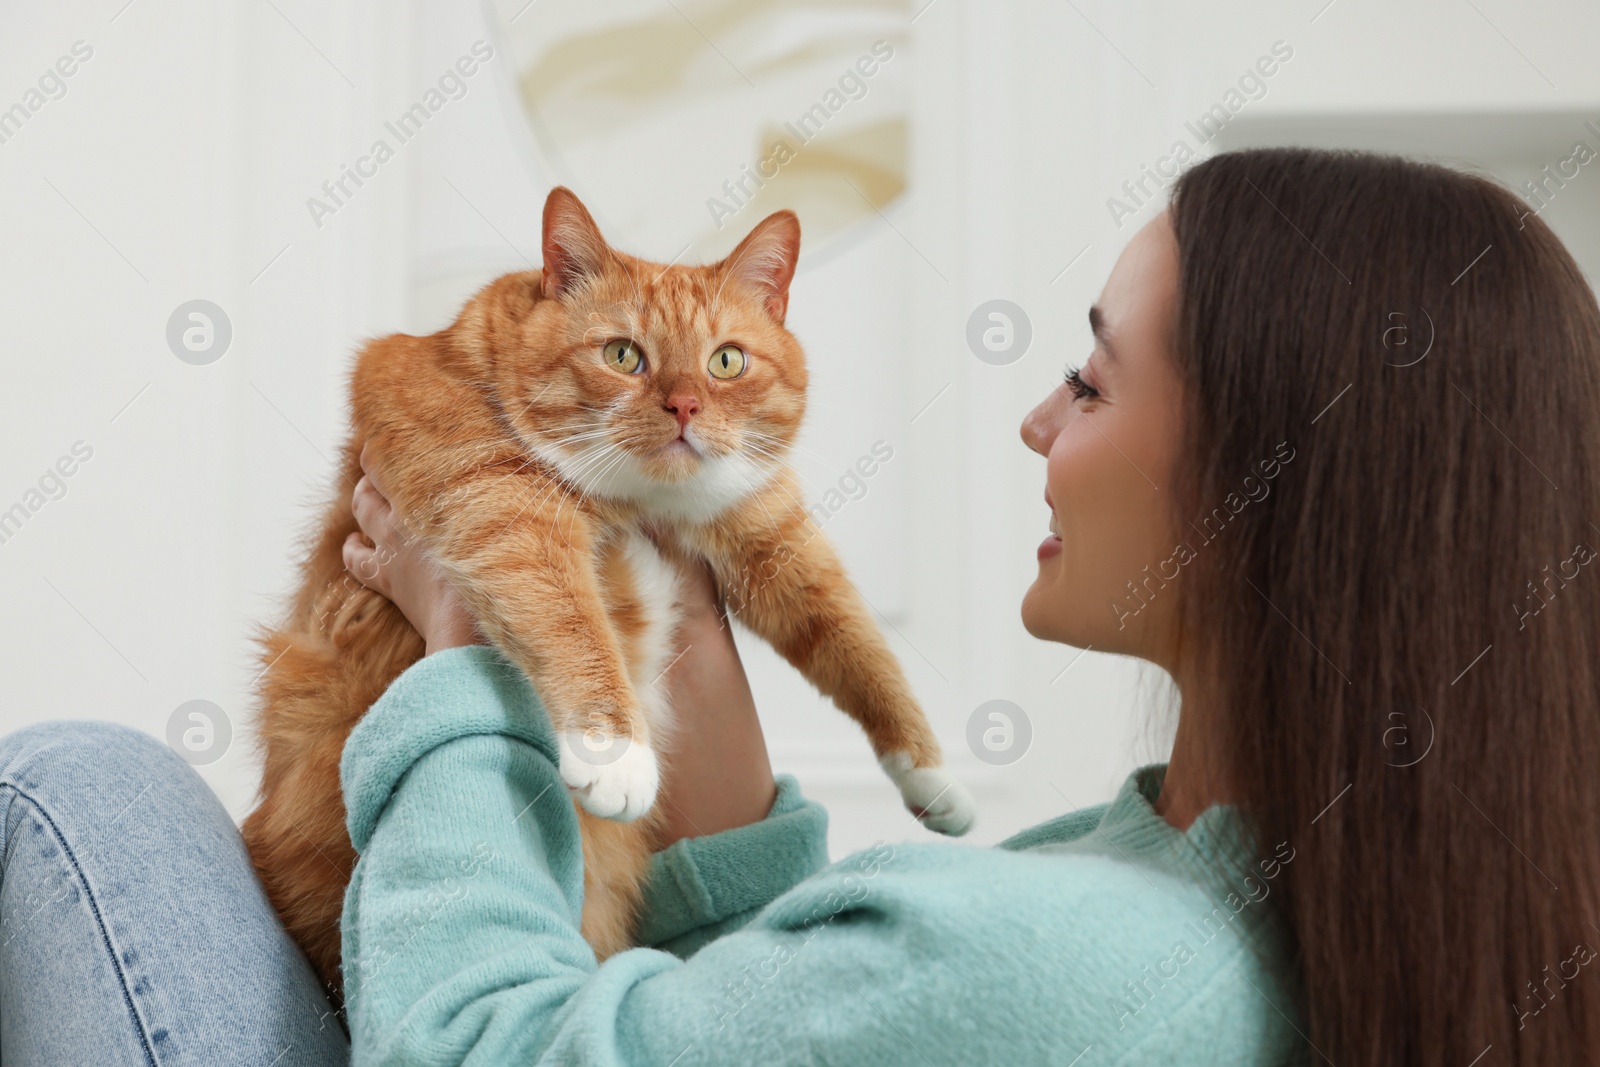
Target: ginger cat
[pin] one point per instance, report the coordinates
(571, 430)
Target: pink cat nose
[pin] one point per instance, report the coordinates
(684, 406)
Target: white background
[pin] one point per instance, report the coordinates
(178, 164)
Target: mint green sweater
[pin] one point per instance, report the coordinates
(1104, 936)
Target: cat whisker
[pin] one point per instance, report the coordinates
(795, 447)
(559, 488)
(778, 462)
(586, 461)
(586, 435)
(622, 457)
(618, 457)
(756, 494)
(762, 452)
(557, 482)
(781, 486)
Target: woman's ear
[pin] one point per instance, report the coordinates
(573, 247)
(765, 260)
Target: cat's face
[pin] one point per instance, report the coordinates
(675, 387)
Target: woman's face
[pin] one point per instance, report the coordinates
(1110, 455)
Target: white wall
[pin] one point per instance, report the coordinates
(177, 166)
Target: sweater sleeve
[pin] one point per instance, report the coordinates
(700, 888)
(461, 923)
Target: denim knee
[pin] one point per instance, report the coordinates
(74, 746)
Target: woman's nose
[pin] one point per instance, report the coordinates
(1040, 426)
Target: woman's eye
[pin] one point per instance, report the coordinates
(624, 355)
(727, 362)
(1079, 387)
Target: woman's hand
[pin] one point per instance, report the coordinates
(717, 775)
(390, 561)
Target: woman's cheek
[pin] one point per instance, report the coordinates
(1109, 515)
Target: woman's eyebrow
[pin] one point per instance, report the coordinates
(1097, 323)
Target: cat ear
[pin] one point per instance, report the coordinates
(765, 260)
(573, 247)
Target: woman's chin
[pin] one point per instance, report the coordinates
(1035, 613)
(1049, 618)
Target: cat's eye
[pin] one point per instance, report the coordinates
(624, 355)
(727, 362)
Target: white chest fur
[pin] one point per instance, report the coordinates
(721, 481)
(656, 589)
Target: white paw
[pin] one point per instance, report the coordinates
(612, 777)
(937, 800)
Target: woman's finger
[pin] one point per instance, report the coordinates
(388, 528)
(369, 467)
(361, 561)
(372, 511)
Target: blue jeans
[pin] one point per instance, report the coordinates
(132, 927)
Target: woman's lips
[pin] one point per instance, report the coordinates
(1051, 545)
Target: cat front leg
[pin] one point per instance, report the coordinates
(785, 582)
(522, 550)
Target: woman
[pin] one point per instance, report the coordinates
(1332, 465)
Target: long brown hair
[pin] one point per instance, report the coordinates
(1400, 642)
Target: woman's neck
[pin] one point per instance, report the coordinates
(1190, 786)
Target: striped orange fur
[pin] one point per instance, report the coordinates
(556, 484)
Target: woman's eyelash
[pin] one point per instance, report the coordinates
(1079, 387)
